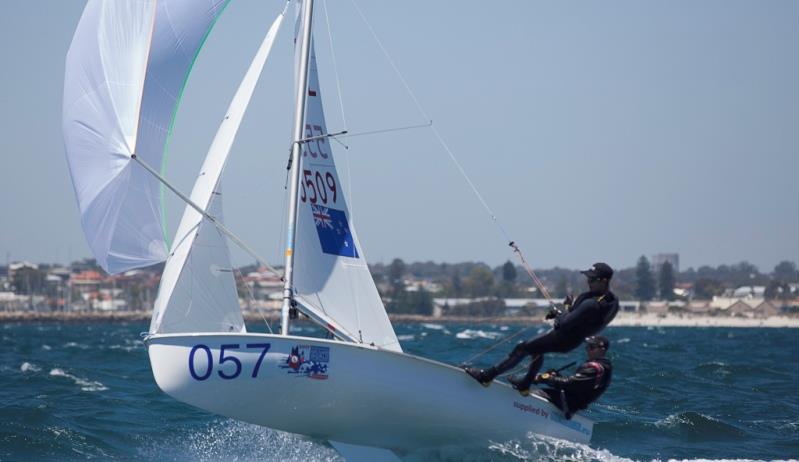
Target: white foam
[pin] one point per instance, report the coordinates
(469, 334)
(438, 327)
(406, 337)
(230, 439)
(85, 384)
(543, 448)
(28, 367)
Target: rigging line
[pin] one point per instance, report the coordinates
(382, 130)
(497, 344)
(390, 61)
(222, 228)
(335, 65)
(426, 117)
(452, 157)
(285, 201)
(348, 192)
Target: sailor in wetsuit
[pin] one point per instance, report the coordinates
(586, 316)
(576, 392)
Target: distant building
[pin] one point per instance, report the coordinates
(766, 309)
(749, 292)
(657, 260)
(741, 308)
(630, 306)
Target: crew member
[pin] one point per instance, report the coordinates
(581, 318)
(576, 392)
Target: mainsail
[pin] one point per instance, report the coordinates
(125, 72)
(331, 275)
(198, 290)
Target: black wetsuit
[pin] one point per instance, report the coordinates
(588, 315)
(576, 392)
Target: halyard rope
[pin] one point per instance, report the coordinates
(455, 161)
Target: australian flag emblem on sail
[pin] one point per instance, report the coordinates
(334, 231)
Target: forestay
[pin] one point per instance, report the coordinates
(125, 72)
(330, 271)
(198, 289)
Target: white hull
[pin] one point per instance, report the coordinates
(359, 395)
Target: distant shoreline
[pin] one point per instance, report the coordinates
(622, 320)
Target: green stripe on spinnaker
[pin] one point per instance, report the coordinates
(174, 116)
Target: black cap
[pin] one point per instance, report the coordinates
(598, 340)
(600, 271)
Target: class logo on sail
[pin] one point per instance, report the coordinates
(307, 361)
(334, 231)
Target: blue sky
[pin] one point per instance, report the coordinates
(594, 130)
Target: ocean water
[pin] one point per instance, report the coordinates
(85, 392)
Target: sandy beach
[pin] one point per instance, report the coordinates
(676, 320)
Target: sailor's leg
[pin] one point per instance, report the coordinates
(486, 376)
(535, 347)
(523, 383)
(544, 343)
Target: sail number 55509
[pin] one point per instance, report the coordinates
(229, 366)
(316, 187)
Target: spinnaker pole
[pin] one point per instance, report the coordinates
(296, 150)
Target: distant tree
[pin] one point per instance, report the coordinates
(785, 271)
(777, 290)
(456, 285)
(415, 302)
(507, 287)
(706, 288)
(561, 288)
(645, 282)
(666, 281)
(480, 282)
(508, 272)
(396, 273)
(745, 274)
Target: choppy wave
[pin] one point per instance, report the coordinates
(701, 401)
(85, 384)
(699, 426)
(28, 367)
(438, 327)
(470, 334)
(233, 440)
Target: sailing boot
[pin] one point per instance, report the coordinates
(484, 376)
(521, 383)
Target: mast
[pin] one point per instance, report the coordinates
(296, 150)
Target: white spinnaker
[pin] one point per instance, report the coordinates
(198, 290)
(330, 271)
(125, 71)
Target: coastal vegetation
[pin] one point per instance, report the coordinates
(421, 288)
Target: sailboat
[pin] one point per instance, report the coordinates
(125, 72)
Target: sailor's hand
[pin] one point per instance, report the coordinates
(542, 377)
(553, 313)
(568, 301)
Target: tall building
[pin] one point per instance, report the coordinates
(657, 260)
